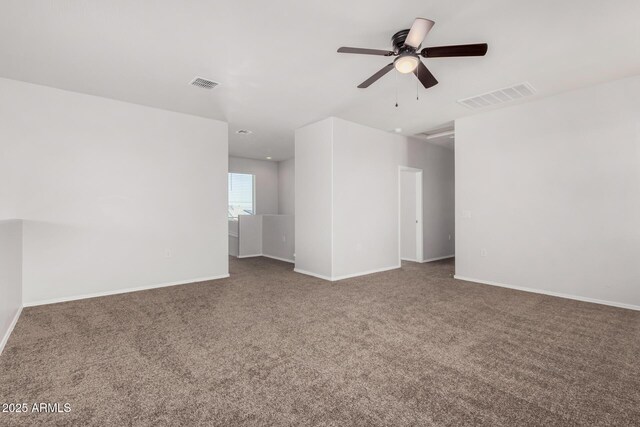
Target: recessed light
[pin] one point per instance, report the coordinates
(244, 132)
(268, 158)
(397, 130)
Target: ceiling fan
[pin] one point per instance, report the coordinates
(405, 48)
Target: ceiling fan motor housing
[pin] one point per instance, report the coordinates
(398, 42)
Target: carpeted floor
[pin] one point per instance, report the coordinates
(272, 347)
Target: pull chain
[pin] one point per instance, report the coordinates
(417, 87)
(396, 73)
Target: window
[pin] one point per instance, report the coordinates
(241, 194)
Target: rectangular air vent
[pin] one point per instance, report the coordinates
(498, 96)
(204, 83)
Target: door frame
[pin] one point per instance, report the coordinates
(419, 211)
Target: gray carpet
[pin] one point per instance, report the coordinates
(272, 347)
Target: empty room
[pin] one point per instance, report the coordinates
(320, 213)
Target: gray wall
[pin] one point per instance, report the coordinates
(278, 236)
(438, 196)
(249, 235)
(409, 214)
(266, 173)
(548, 194)
(286, 187)
(274, 196)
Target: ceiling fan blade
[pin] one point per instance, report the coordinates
(365, 84)
(362, 51)
(424, 75)
(479, 49)
(418, 32)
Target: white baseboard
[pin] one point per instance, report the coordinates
(7, 334)
(267, 256)
(438, 258)
(409, 259)
(553, 294)
(308, 273)
(249, 256)
(278, 258)
(123, 291)
(346, 276)
(364, 273)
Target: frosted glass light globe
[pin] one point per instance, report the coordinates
(406, 64)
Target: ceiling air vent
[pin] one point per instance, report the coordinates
(499, 96)
(203, 83)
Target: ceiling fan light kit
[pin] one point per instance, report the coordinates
(406, 45)
(406, 63)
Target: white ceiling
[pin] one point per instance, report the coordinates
(277, 62)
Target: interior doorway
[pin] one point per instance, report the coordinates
(410, 214)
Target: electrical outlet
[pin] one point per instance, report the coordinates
(284, 238)
(483, 252)
(449, 236)
(167, 253)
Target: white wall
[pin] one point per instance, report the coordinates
(438, 196)
(409, 202)
(263, 235)
(234, 240)
(278, 236)
(7, 187)
(266, 173)
(365, 198)
(10, 277)
(249, 235)
(274, 195)
(314, 198)
(348, 175)
(549, 192)
(114, 195)
(286, 186)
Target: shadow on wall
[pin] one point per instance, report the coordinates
(10, 277)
